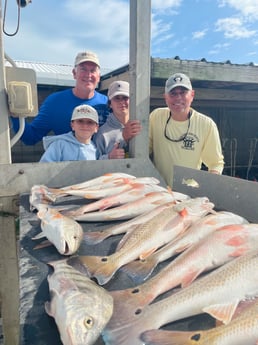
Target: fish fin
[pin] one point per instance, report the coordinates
(67, 284)
(48, 309)
(140, 270)
(95, 237)
(43, 244)
(183, 212)
(57, 215)
(41, 213)
(123, 240)
(38, 236)
(190, 277)
(145, 254)
(182, 248)
(222, 312)
(105, 206)
(162, 337)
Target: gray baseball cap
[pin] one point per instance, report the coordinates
(178, 79)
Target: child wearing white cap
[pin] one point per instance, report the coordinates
(76, 144)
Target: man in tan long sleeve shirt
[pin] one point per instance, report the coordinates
(179, 135)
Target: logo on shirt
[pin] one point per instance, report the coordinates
(188, 142)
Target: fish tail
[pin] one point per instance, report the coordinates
(161, 337)
(126, 328)
(140, 270)
(100, 267)
(128, 301)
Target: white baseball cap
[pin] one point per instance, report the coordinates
(85, 111)
(118, 87)
(86, 56)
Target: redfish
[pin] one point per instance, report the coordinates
(218, 294)
(80, 307)
(136, 191)
(141, 269)
(212, 251)
(113, 186)
(94, 237)
(147, 237)
(63, 232)
(40, 197)
(130, 210)
(109, 179)
(243, 330)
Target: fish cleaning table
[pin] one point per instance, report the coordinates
(37, 327)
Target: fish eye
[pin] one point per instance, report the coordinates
(88, 322)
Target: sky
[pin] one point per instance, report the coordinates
(54, 31)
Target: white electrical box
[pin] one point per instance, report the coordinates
(21, 87)
(20, 98)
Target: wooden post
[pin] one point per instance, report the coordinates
(139, 74)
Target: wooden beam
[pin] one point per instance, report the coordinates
(139, 74)
(208, 71)
(213, 95)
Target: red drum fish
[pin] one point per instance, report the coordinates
(212, 251)
(80, 307)
(130, 210)
(106, 189)
(64, 233)
(108, 180)
(141, 269)
(137, 191)
(243, 330)
(40, 197)
(94, 237)
(218, 294)
(147, 237)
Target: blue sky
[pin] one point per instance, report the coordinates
(54, 31)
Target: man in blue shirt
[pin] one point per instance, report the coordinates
(55, 112)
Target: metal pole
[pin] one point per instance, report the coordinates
(139, 73)
(5, 147)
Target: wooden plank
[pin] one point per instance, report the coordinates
(212, 94)
(104, 84)
(209, 71)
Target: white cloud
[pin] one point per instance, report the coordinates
(161, 5)
(199, 34)
(233, 28)
(218, 48)
(57, 33)
(247, 8)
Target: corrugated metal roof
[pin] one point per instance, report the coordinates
(51, 74)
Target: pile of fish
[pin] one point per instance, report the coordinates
(209, 264)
